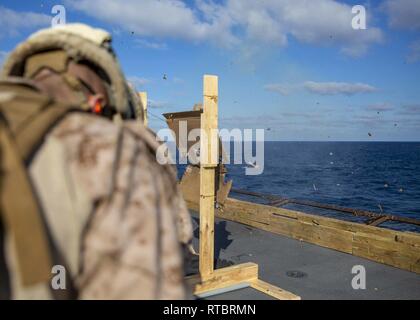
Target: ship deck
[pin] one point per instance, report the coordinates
(305, 269)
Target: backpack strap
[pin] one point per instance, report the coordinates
(24, 121)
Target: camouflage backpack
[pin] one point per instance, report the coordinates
(25, 118)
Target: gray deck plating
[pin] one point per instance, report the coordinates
(327, 272)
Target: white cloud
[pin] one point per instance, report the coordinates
(280, 88)
(323, 88)
(403, 14)
(157, 104)
(151, 44)
(336, 88)
(165, 18)
(138, 82)
(272, 22)
(318, 22)
(12, 22)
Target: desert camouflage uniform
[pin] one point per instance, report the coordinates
(132, 245)
(115, 216)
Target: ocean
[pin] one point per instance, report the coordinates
(382, 177)
(375, 176)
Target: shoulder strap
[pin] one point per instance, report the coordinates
(24, 121)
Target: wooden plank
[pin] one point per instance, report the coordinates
(225, 277)
(143, 100)
(395, 248)
(208, 147)
(387, 256)
(326, 237)
(207, 198)
(302, 228)
(386, 244)
(209, 118)
(410, 238)
(273, 291)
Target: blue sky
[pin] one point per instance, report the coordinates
(294, 67)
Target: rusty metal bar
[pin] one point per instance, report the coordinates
(280, 201)
(377, 221)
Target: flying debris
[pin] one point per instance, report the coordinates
(252, 165)
(268, 129)
(165, 77)
(369, 134)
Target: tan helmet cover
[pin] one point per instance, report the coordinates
(80, 42)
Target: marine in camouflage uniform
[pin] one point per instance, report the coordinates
(77, 189)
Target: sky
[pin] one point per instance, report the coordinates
(295, 68)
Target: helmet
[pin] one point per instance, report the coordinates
(55, 47)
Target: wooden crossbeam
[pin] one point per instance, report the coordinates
(225, 277)
(239, 276)
(273, 291)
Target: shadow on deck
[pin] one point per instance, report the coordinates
(307, 270)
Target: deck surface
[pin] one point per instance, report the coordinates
(326, 273)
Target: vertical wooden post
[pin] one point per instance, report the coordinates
(209, 280)
(208, 164)
(143, 99)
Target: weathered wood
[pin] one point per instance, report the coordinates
(387, 251)
(209, 279)
(209, 138)
(273, 291)
(208, 147)
(395, 248)
(207, 198)
(225, 277)
(143, 100)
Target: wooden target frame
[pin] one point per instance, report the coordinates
(212, 281)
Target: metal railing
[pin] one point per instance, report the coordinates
(375, 219)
